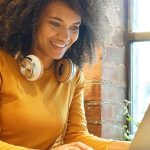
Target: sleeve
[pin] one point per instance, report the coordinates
(4, 145)
(0, 74)
(0, 81)
(77, 126)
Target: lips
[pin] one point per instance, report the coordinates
(59, 45)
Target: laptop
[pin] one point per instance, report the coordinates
(141, 140)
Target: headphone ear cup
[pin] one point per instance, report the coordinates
(65, 70)
(31, 67)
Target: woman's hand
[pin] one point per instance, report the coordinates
(73, 146)
(119, 145)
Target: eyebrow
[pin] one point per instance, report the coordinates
(56, 18)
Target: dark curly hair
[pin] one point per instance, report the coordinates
(18, 23)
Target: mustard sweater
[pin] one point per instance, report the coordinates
(34, 113)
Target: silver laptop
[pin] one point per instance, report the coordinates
(141, 140)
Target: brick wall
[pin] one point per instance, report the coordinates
(106, 87)
(93, 94)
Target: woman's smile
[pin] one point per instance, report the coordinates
(58, 44)
(58, 48)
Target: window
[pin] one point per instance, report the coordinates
(139, 50)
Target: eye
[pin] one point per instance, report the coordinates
(54, 24)
(75, 28)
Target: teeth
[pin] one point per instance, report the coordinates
(59, 45)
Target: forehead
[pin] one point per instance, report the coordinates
(60, 10)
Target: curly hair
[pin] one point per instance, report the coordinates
(19, 19)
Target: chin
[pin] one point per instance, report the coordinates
(59, 57)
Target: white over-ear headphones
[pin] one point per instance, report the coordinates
(31, 68)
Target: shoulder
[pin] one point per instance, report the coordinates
(79, 77)
(5, 58)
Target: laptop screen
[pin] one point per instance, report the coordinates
(141, 140)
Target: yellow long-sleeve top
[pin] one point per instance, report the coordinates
(34, 113)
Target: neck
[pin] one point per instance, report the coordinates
(47, 61)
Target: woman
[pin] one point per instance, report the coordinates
(41, 94)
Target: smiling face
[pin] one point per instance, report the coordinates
(58, 29)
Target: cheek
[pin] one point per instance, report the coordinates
(46, 32)
(75, 37)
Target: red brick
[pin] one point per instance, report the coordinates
(92, 91)
(93, 71)
(94, 129)
(93, 94)
(1, 1)
(93, 113)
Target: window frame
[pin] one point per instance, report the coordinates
(132, 37)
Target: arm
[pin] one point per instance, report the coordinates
(119, 145)
(6, 146)
(77, 126)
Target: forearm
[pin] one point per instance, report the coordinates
(119, 145)
(6, 146)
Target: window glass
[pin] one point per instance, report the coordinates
(140, 80)
(141, 15)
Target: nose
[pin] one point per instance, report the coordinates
(65, 35)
